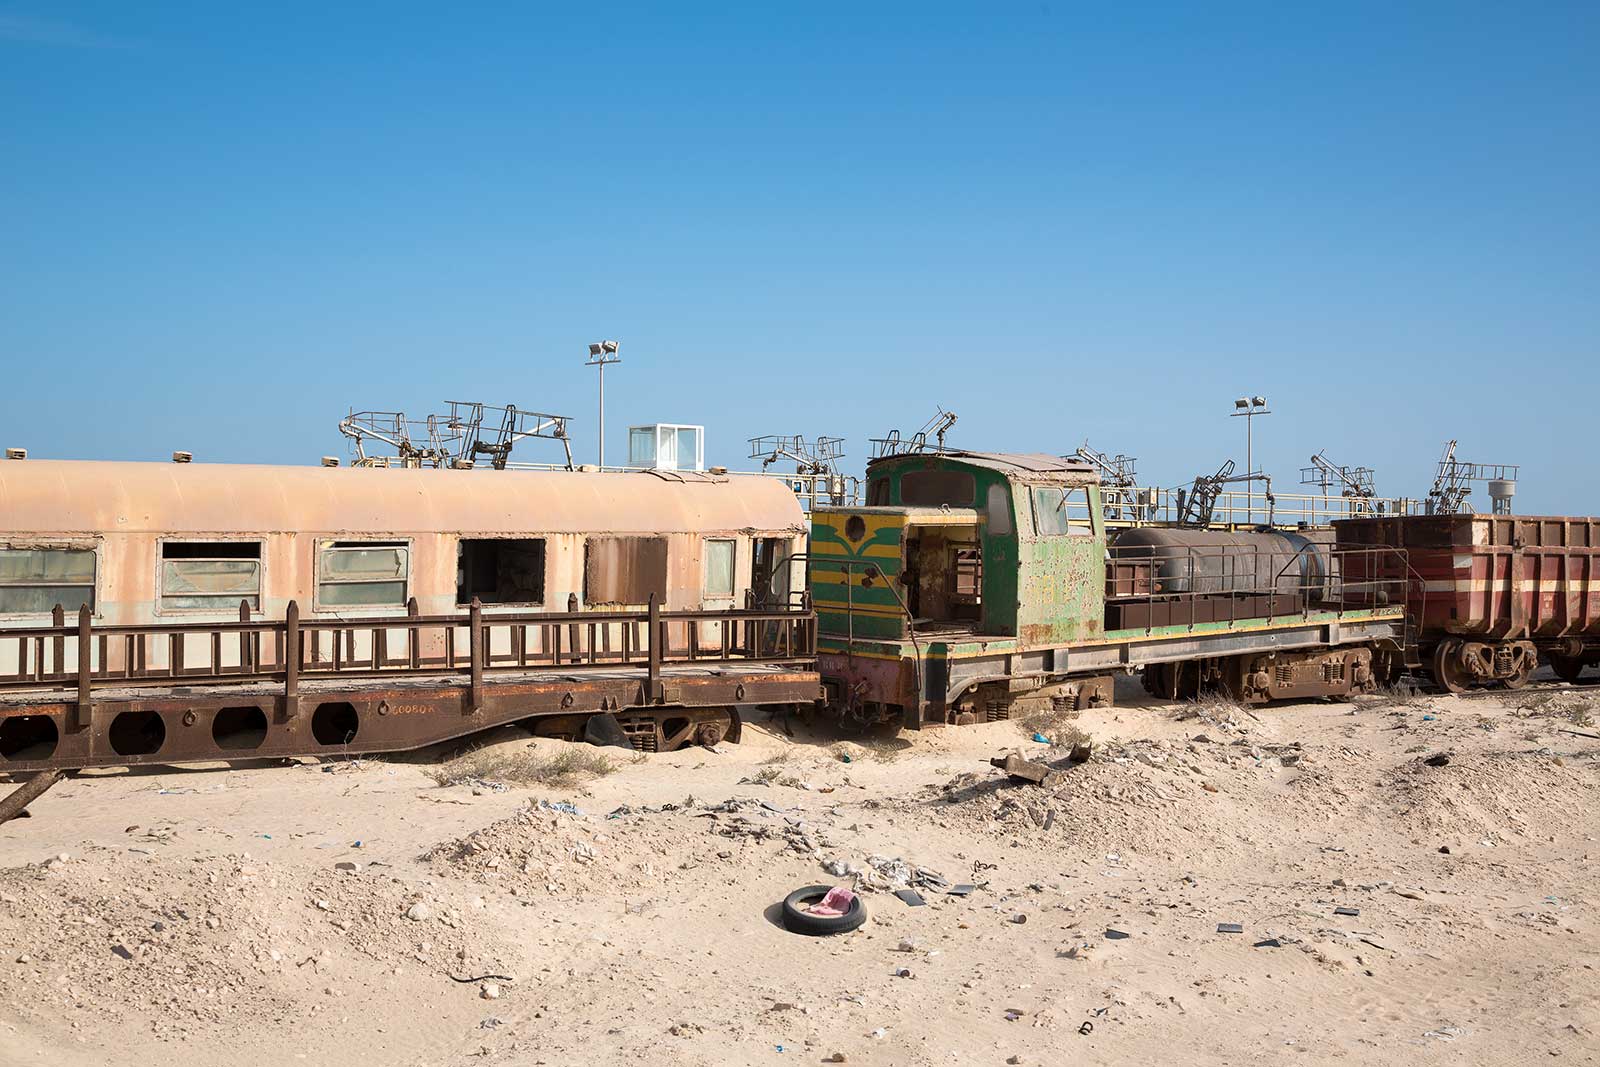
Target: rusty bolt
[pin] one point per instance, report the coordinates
(189, 718)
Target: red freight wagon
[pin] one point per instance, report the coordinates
(1491, 594)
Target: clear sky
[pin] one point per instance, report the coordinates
(223, 225)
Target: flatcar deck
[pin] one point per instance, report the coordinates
(666, 687)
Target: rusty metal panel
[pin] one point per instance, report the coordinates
(624, 570)
(1495, 576)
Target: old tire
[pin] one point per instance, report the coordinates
(799, 921)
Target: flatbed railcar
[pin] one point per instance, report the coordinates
(154, 613)
(975, 586)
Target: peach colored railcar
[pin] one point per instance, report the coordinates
(159, 542)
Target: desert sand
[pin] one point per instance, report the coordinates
(1393, 910)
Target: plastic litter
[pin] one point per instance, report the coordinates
(1041, 738)
(911, 897)
(566, 807)
(1230, 928)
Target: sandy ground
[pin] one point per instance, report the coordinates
(191, 917)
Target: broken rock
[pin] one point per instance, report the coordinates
(1021, 770)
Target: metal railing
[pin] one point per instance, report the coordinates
(1188, 585)
(1238, 509)
(290, 650)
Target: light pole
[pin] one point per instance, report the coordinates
(600, 354)
(1250, 407)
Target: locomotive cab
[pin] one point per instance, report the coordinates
(955, 552)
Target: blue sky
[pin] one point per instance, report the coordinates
(221, 226)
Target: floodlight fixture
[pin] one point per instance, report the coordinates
(600, 354)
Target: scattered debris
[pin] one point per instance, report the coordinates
(1230, 928)
(1020, 769)
(16, 802)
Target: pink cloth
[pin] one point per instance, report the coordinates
(836, 903)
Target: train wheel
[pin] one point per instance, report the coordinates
(1157, 679)
(1567, 668)
(1520, 679)
(706, 727)
(1446, 668)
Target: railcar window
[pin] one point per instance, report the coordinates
(501, 570)
(370, 574)
(1060, 512)
(210, 575)
(998, 509)
(877, 492)
(35, 580)
(932, 488)
(624, 570)
(719, 570)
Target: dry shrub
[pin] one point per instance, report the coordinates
(511, 765)
(883, 749)
(1218, 707)
(1059, 727)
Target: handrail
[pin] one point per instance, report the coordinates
(295, 649)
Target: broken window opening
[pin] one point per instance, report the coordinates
(944, 577)
(1061, 512)
(501, 570)
(210, 575)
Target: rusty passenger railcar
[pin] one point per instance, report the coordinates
(199, 571)
(1496, 593)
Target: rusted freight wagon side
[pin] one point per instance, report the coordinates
(1496, 593)
(156, 612)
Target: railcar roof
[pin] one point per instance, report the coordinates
(72, 496)
(1016, 464)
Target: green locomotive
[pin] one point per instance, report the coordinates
(976, 586)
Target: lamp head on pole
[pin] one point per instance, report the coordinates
(602, 352)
